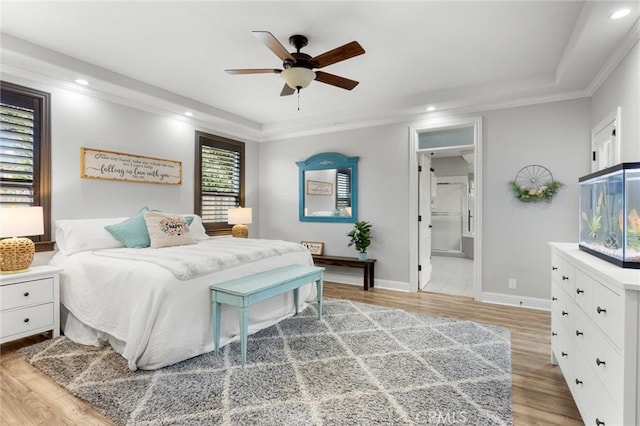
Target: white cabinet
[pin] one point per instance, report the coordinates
(595, 326)
(29, 303)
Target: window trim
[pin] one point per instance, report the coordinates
(42, 162)
(215, 141)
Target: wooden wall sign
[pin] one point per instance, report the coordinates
(110, 165)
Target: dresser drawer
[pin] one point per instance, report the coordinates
(585, 334)
(607, 312)
(584, 290)
(26, 319)
(561, 346)
(26, 293)
(568, 278)
(607, 363)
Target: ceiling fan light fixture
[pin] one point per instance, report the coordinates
(298, 77)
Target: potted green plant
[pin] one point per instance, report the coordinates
(360, 238)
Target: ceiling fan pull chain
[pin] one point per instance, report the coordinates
(298, 99)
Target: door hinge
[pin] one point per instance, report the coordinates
(419, 268)
(613, 133)
(593, 156)
(419, 168)
(419, 218)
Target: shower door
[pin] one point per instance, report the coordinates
(446, 218)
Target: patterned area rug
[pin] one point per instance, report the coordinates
(360, 365)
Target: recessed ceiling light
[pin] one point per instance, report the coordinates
(82, 82)
(188, 114)
(431, 108)
(619, 13)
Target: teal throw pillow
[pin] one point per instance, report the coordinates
(132, 232)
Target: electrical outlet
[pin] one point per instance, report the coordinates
(512, 283)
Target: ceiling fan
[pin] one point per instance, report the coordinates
(299, 67)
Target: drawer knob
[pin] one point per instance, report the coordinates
(554, 268)
(564, 354)
(578, 382)
(579, 333)
(26, 320)
(565, 278)
(26, 294)
(565, 313)
(600, 310)
(599, 422)
(553, 333)
(579, 291)
(600, 362)
(553, 299)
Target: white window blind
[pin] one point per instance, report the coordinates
(343, 188)
(16, 155)
(220, 182)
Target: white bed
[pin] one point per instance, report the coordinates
(149, 316)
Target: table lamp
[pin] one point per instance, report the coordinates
(16, 254)
(239, 218)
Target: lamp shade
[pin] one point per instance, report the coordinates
(298, 77)
(21, 221)
(239, 215)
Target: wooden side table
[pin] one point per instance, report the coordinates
(30, 303)
(350, 262)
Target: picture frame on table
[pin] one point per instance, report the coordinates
(316, 248)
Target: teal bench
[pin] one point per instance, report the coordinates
(246, 291)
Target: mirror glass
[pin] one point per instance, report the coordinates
(328, 188)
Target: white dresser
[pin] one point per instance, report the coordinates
(595, 328)
(29, 303)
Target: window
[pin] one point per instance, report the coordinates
(219, 180)
(25, 152)
(343, 188)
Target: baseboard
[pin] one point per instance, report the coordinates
(357, 280)
(520, 301)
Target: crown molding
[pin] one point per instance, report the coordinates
(615, 58)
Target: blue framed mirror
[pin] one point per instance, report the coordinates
(328, 188)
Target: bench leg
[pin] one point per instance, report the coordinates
(296, 298)
(215, 317)
(319, 291)
(366, 277)
(244, 321)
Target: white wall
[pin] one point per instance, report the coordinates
(515, 234)
(622, 88)
(78, 120)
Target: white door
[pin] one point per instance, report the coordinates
(424, 225)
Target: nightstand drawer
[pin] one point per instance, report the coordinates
(23, 320)
(26, 293)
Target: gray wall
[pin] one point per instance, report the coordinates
(515, 234)
(622, 88)
(383, 197)
(450, 166)
(79, 121)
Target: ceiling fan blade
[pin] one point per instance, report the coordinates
(254, 71)
(286, 90)
(338, 54)
(274, 45)
(336, 80)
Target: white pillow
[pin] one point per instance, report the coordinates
(167, 230)
(197, 228)
(76, 235)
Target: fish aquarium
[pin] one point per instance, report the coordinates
(610, 214)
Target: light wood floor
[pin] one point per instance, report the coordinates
(540, 395)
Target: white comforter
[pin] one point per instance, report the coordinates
(152, 318)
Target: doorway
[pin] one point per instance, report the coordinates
(445, 206)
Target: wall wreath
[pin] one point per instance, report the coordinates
(534, 183)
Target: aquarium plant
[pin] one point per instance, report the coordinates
(594, 223)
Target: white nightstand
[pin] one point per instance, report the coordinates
(29, 303)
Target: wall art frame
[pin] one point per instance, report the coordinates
(113, 165)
